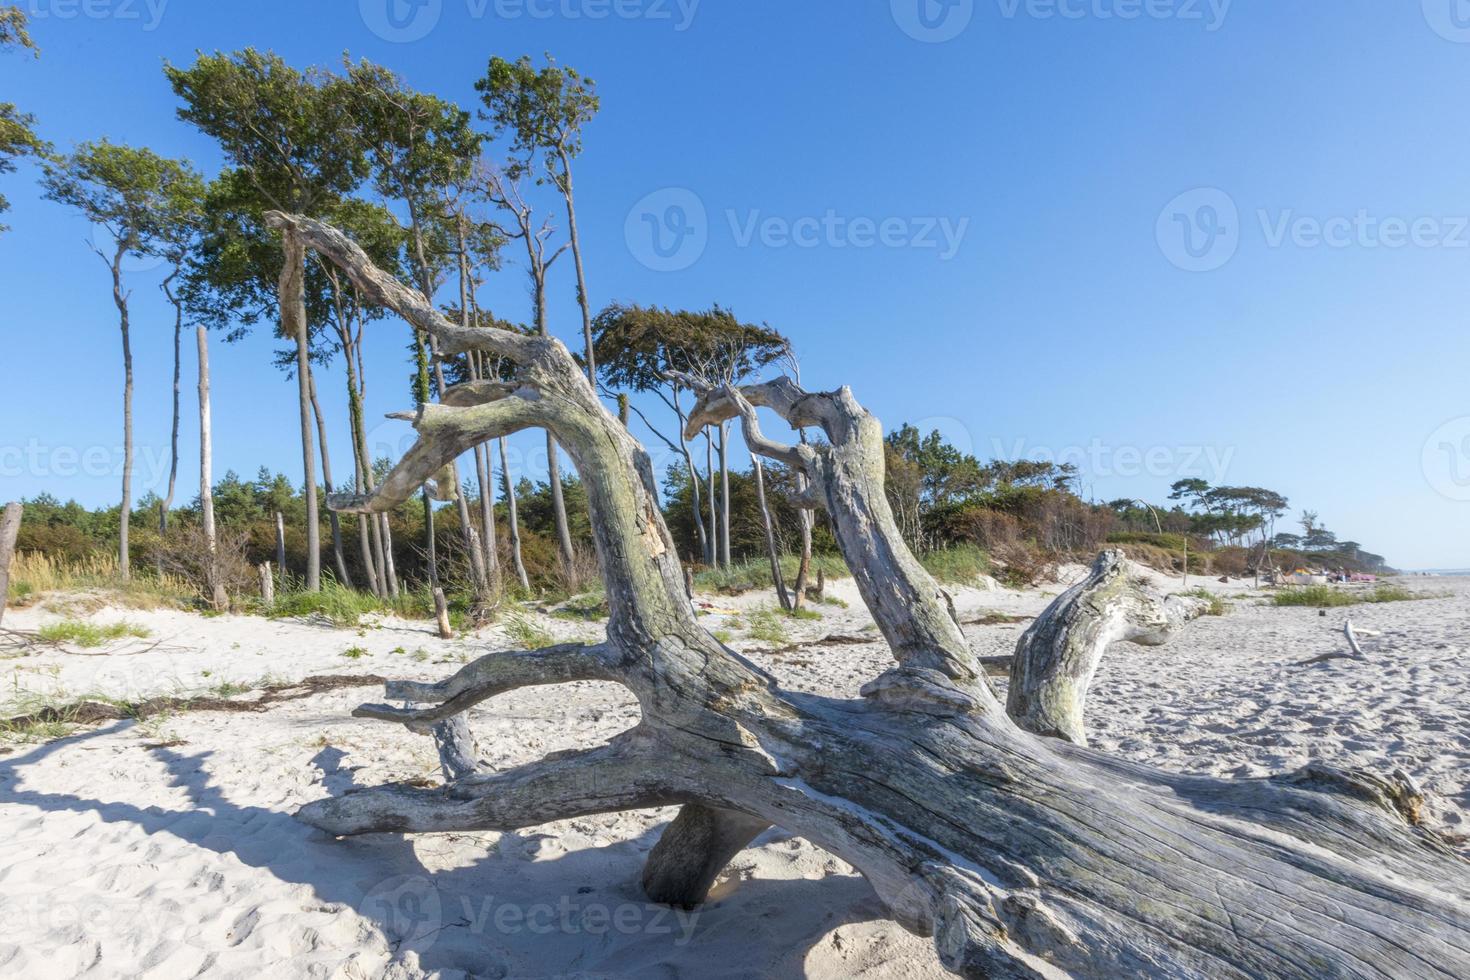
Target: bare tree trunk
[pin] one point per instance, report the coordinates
(9, 531)
(216, 587)
(476, 557)
(173, 467)
(512, 521)
(696, 507)
(713, 558)
(125, 513)
(559, 508)
(281, 544)
(292, 301)
(339, 558)
(589, 355)
(776, 577)
(1021, 856)
(724, 450)
(389, 564)
(805, 518)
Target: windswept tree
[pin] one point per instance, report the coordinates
(545, 109)
(288, 136)
(540, 114)
(17, 129)
(134, 194)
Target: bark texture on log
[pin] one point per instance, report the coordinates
(1019, 855)
(1058, 654)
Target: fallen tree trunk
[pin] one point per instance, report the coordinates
(1020, 855)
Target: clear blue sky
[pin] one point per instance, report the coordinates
(1053, 140)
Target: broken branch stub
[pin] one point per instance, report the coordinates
(1059, 653)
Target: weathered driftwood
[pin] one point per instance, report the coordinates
(9, 531)
(1354, 647)
(267, 584)
(1058, 655)
(1020, 855)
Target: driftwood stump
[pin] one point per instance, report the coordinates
(1021, 855)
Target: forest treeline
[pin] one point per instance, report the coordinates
(447, 198)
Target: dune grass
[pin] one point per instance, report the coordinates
(961, 564)
(527, 634)
(81, 633)
(33, 575)
(1217, 606)
(1327, 596)
(755, 573)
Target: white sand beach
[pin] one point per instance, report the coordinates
(167, 848)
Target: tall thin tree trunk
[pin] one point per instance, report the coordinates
(713, 542)
(389, 565)
(431, 544)
(724, 496)
(206, 471)
(9, 530)
(805, 519)
(120, 298)
(777, 578)
(173, 468)
(512, 520)
(281, 545)
(553, 466)
(462, 505)
(590, 357)
(695, 503)
(559, 507)
(338, 557)
(292, 299)
(488, 543)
